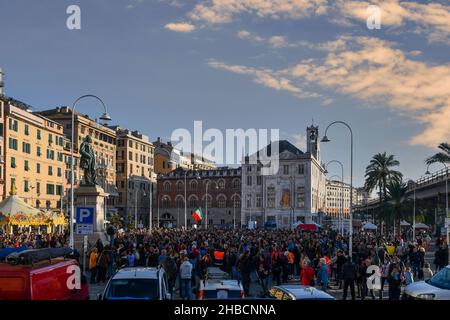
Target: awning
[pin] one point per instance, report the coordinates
(369, 226)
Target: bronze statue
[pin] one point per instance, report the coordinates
(88, 161)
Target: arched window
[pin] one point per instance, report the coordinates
(209, 201)
(193, 202)
(165, 202)
(193, 185)
(221, 184)
(179, 202)
(236, 201)
(221, 201)
(271, 197)
(180, 186)
(166, 186)
(236, 183)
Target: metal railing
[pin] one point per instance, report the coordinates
(435, 177)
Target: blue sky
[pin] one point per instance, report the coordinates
(161, 64)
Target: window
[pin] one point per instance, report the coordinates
(27, 130)
(193, 185)
(38, 134)
(258, 201)
(300, 197)
(167, 186)
(38, 188)
(38, 151)
(180, 186)
(50, 170)
(221, 184)
(130, 155)
(13, 162)
(38, 168)
(286, 169)
(50, 154)
(236, 183)
(259, 180)
(221, 201)
(13, 143)
(249, 180)
(271, 197)
(249, 168)
(26, 165)
(50, 138)
(26, 187)
(59, 172)
(13, 125)
(209, 201)
(60, 156)
(193, 202)
(50, 188)
(59, 190)
(165, 202)
(301, 169)
(26, 148)
(249, 201)
(179, 202)
(236, 201)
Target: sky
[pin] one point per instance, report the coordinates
(159, 65)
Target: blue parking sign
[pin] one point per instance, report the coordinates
(85, 215)
(85, 220)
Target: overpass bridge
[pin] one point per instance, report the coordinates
(429, 193)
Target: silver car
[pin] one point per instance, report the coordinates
(437, 288)
(298, 292)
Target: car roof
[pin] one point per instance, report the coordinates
(137, 273)
(305, 292)
(221, 284)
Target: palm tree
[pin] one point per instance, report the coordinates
(440, 156)
(379, 172)
(397, 192)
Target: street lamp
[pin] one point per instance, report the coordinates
(325, 139)
(414, 208)
(341, 222)
(446, 201)
(105, 117)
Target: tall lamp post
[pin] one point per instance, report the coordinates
(105, 117)
(446, 202)
(325, 139)
(414, 208)
(341, 222)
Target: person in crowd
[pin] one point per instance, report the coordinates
(322, 274)
(93, 257)
(349, 277)
(427, 272)
(186, 278)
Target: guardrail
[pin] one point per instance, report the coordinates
(435, 177)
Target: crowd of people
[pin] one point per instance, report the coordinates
(261, 258)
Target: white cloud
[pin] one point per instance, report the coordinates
(371, 70)
(180, 27)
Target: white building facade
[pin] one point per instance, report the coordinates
(295, 193)
(338, 199)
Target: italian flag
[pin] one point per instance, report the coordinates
(197, 215)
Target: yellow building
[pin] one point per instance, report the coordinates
(103, 142)
(135, 175)
(35, 150)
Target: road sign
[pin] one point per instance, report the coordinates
(85, 220)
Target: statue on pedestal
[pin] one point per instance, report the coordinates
(88, 162)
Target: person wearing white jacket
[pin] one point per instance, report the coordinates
(186, 279)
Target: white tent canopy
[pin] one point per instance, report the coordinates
(421, 225)
(369, 226)
(404, 223)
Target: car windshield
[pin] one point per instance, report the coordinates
(441, 279)
(145, 289)
(222, 294)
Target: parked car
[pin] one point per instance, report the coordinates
(298, 292)
(137, 284)
(220, 289)
(436, 288)
(41, 274)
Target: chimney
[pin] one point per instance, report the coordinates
(1, 81)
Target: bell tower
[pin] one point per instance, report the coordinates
(312, 138)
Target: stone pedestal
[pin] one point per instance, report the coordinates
(92, 196)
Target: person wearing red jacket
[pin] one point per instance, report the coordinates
(307, 274)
